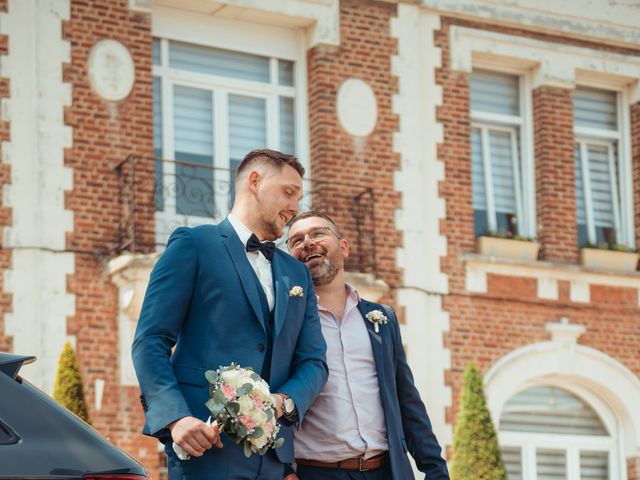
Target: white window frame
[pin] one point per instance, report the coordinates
(528, 442)
(524, 172)
(238, 36)
(622, 188)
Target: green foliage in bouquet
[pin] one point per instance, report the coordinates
(476, 454)
(67, 390)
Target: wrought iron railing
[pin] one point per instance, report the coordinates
(158, 195)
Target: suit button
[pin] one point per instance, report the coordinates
(261, 347)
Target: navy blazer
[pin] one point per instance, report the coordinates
(408, 425)
(203, 299)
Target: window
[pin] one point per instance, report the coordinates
(497, 130)
(211, 107)
(599, 205)
(547, 433)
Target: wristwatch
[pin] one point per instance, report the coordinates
(289, 406)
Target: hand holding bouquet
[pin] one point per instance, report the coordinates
(241, 405)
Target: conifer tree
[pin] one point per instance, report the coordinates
(476, 454)
(67, 390)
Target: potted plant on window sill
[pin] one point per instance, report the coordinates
(609, 256)
(506, 245)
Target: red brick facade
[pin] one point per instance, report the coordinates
(483, 327)
(336, 155)
(105, 134)
(486, 327)
(5, 212)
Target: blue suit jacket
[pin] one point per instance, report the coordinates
(408, 425)
(203, 299)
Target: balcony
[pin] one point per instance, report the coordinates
(158, 195)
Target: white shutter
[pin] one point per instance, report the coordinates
(551, 464)
(595, 108)
(287, 126)
(193, 140)
(495, 93)
(215, 61)
(550, 410)
(601, 177)
(477, 171)
(512, 459)
(247, 127)
(502, 171)
(594, 465)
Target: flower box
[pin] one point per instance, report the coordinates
(508, 248)
(609, 259)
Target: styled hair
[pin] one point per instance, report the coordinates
(319, 214)
(271, 158)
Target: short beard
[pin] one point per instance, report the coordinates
(324, 274)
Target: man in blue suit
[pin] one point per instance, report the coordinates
(222, 294)
(369, 414)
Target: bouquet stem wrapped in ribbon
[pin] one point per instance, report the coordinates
(242, 406)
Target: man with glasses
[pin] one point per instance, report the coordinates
(369, 414)
(223, 294)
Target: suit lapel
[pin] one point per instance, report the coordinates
(243, 267)
(377, 339)
(281, 284)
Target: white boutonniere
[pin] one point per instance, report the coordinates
(296, 291)
(377, 318)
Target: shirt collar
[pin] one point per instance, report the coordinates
(241, 229)
(353, 297)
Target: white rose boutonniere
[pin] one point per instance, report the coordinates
(296, 291)
(377, 317)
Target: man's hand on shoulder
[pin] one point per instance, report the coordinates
(194, 435)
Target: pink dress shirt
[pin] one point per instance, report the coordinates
(346, 420)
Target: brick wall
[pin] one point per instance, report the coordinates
(555, 173)
(485, 327)
(365, 52)
(104, 134)
(5, 178)
(633, 465)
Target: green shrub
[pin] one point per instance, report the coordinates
(476, 454)
(67, 390)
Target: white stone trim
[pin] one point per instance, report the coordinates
(320, 19)
(554, 64)
(614, 22)
(39, 179)
(547, 275)
(589, 373)
(130, 273)
(422, 209)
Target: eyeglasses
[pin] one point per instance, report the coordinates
(315, 235)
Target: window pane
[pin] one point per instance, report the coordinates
(287, 126)
(512, 458)
(155, 52)
(595, 108)
(495, 93)
(157, 141)
(601, 177)
(247, 129)
(216, 61)
(550, 410)
(285, 73)
(502, 171)
(193, 137)
(551, 464)
(594, 465)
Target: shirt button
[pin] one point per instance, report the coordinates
(261, 347)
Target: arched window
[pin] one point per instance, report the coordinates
(547, 433)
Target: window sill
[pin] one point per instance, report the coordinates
(507, 248)
(609, 260)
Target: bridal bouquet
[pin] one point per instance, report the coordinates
(241, 405)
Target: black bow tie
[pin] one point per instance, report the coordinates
(267, 248)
